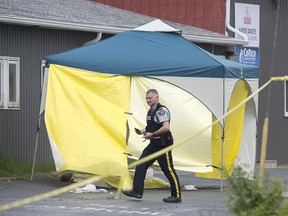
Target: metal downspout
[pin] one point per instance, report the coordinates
(98, 38)
(228, 26)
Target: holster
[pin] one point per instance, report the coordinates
(164, 140)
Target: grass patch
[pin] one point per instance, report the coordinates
(13, 168)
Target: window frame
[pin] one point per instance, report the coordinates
(286, 97)
(1, 83)
(5, 102)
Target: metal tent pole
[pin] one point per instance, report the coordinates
(36, 146)
(44, 79)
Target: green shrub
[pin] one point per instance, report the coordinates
(246, 198)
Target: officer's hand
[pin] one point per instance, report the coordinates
(148, 135)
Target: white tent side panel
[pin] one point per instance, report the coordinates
(188, 116)
(254, 85)
(230, 84)
(247, 150)
(207, 90)
(58, 159)
(44, 92)
(246, 155)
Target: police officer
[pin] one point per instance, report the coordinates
(158, 132)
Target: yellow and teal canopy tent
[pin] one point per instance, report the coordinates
(96, 96)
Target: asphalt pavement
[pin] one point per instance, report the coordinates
(208, 199)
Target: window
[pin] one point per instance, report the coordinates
(9, 82)
(286, 98)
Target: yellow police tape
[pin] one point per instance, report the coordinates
(279, 78)
(49, 194)
(133, 164)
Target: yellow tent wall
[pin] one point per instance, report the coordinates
(85, 118)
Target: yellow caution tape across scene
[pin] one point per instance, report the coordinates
(123, 181)
(53, 193)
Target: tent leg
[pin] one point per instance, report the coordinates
(35, 151)
(41, 110)
(222, 160)
(223, 135)
(33, 166)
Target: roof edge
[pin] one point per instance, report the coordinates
(61, 24)
(21, 20)
(215, 40)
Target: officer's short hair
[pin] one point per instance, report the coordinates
(153, 91)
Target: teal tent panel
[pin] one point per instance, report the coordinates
(141, 53)
(235, 69)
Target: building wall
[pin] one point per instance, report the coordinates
(206, 14)
(18, 127)
(272, 65)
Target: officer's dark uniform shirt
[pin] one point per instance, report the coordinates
(162, 114)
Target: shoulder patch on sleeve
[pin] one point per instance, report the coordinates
(161, 112)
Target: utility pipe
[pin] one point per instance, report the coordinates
(228, 26)
(98, 38)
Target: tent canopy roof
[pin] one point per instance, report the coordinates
(148, 53)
